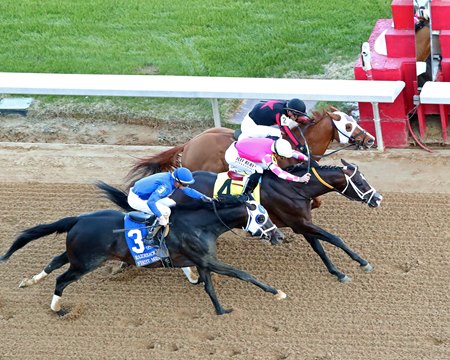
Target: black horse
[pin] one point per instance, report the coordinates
(289, 203)
(195, 227)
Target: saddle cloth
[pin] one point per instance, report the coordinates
(143, 254)
(227, 186)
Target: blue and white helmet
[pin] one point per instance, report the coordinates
(183, 176)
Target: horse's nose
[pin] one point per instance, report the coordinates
(277, 237)
(370, 142)
(376, 200)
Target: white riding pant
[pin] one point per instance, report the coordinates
(251, 130)
(163, 205)
(239, 164)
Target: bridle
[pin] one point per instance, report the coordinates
(349, 183)
(344, 138)
(255, 219)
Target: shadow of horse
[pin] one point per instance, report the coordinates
(91, 240)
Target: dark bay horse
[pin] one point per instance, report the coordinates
(206, 150)
(289, 203)
(91, 241)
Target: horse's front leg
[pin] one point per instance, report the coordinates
(56, 263)
(228, 270)
(316, 203)
(338, 242)
(318, 248)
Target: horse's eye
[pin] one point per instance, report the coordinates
(260, 219)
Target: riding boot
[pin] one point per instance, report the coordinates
(251, 184)
(153, 227)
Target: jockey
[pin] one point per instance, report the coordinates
(253, 156)
(151, 194)
(269, 118)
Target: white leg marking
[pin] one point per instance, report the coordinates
(34, 280)
(368, 268)
(56, 303)
(346, 279)
(188, 273)
(280, 295)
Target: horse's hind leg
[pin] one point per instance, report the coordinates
(62, 281)
(56, 263)
(209, 288)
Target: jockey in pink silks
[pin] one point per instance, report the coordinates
(252, 156)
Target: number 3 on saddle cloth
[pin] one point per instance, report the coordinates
(136, 230)
(232, 183)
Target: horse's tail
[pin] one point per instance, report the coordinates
(38, 231)
(164, 161)
(117, 196)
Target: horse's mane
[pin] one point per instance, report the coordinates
(303, 167)
(319, 115)
(224, 201)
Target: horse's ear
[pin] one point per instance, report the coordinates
(333, 115)
(333, 108)
(347, 164)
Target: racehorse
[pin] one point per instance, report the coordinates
(423, 49)
(206, 151)
(191, 241)
(289, 203)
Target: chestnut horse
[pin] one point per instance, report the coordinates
(423, 50)
(206, 151)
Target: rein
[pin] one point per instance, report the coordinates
(350, 138)
(218, 216)
(263, 231)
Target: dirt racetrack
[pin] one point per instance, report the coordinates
(399, 311)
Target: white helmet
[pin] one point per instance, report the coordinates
(282, 147)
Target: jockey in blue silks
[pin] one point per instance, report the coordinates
(151, 194)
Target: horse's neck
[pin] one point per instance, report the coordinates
(423, 46)
(231, 218)
(329, 177)
(320, 135)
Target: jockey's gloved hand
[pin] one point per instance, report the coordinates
(305, 178)
(207, 199)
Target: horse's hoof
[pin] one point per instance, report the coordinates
(346, 279)
(225, 311)
(24, 283)
(367, 268)
(280, 295)
(61, 312)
